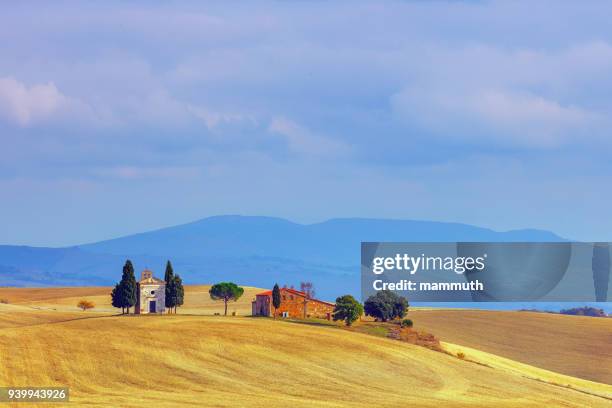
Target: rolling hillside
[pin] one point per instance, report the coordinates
(197, 299)
(202, 361)
(573, 345)
(563, 344)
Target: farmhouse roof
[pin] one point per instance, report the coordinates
(295, 292)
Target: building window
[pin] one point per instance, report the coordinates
(285, 314)
(284, 297)
(291, 297)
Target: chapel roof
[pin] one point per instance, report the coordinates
(151, 281)
(147, 278)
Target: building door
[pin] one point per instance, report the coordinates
(152, 305)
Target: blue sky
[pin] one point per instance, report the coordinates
(119, 118)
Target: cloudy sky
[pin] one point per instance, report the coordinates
(127, 117)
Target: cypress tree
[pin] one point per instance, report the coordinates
(117, 297)
(276, 298)
(171, 295)
(179, 292)
(170, 290)
(128, 285)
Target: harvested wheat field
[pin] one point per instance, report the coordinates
(137, 361)
(18, 316)
(197, 299)
(574, 345)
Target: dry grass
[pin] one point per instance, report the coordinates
(133, 361)
(572, 345)
(197, 299)
(20, 316)
(528, 371)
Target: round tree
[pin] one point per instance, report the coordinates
(347, 309)
(385, 305)
(85, 304)
(226, 291)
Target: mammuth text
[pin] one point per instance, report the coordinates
(408, 285)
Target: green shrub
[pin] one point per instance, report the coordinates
(461, 355)
(385, 305)
(407, 323)
(347, 309)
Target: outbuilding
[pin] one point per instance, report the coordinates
(294, 304)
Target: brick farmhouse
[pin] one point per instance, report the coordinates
(294, 304)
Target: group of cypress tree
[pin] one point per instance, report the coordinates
(124, 293)
(175, 293)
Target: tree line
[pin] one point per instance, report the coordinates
(384, 305)
(124, 294)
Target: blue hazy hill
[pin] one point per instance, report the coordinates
(256, 251)
(336, 241)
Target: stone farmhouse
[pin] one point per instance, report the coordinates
(294, 304)
(150, 294)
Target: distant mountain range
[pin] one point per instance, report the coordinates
(255, 251)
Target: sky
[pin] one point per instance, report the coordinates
(117, 118)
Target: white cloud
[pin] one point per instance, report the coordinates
(213, 118)
(498, 115)
(536, 116)
(302, 141)
(513, 97)
(25, 105)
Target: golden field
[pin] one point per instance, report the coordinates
(197, 299)
(217, 361)
(574, 345)
(196, 360)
